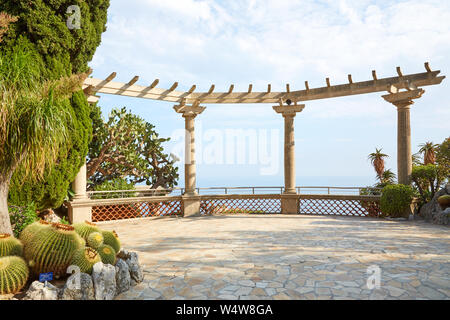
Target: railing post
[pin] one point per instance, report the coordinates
(80, 209)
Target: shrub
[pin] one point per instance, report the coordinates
(396, 199)
(425, 180)
(115, 184)
(21, 217)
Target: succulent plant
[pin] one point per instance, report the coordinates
(95, 240)
(112, 239)
(31, 230)
(444, 201)
(51, 249)
(85, 258)
(84, 229)
(10, 246)
(107, 254)
(13, 274)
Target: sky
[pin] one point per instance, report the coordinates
(206, 42)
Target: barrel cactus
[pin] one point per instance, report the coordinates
(107, 254)
(31, 230)
(51, 249)
(84, 229)
(95, 240)
(13, 274)
(10, 246)
(85, 258)
(110, 238)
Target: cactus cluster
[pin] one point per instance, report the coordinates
(13, 274)
(107, 254)
(31, 229)
(10, 246)
(84, 229)
(85, 258)
(110, 238)
(51, 249)
(95, 240)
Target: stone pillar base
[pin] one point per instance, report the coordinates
(289, 204)
(191, 206)
(79, 211)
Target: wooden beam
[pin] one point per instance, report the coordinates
(111, 77)
(192, 89)
(173, 87)
(399, 72)
(306, 85)
(328, 82)
(154, 84)
(269, 88)
(211, 90)
(250, 87)
(374, 75)
(427, 67)
(231, 89)
(350, 80)
(288, 88)
(133, 81)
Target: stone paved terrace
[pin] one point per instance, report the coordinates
(286, 257)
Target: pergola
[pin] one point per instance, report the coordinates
(401, 91)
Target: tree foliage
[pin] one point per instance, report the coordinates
(126, 146)
(395, 199)
(43, 25)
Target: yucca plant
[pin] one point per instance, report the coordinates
(33, 119)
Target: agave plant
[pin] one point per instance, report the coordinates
(377, 160)
(428, 149)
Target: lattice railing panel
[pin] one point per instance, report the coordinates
(240, 205)
(341, 207)
(135, 210)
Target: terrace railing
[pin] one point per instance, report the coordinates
(145, 202)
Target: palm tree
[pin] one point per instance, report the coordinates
(377, 160)
(33, 120)
(428, 149)
(388, 177)
(416, 161)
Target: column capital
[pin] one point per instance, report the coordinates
(189, 111)
(289, 111)
(403, 99)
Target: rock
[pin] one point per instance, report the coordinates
(432, 211)
(41, 291)
(50, 216)
(123, 278)
(83, 290)
(104, 277)
(132, 260)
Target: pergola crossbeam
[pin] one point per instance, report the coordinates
(93, 86)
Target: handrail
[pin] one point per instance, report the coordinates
(226, 190)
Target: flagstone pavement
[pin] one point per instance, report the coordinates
(287, 257)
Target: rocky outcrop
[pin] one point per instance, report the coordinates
(123, 277)
(79, 286)
(104, 277)
(433, 212)
(132, 260)
(42, 291)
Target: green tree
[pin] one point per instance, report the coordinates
(62, 50)
(126, 146)
(443, 159)
(34, 121)
(428, 151)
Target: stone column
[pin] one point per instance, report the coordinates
(403, 101)
(191, 201)
(289, 199)
(80, 209)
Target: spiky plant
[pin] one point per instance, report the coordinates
(112, 239)
(377, 160)
(10, 246)
(95, 240)
(428, 149)
(107, 254)
(32, 229)
(85, 258)
(84, 229)
(51, 249)
(13, 274)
